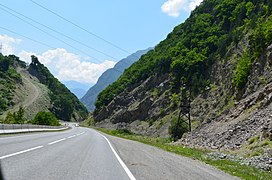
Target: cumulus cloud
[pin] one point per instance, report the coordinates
(194, 3)
(68, 66)
(64, 65)
(8, 44)
(174, 7)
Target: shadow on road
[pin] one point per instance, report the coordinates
(1, 174)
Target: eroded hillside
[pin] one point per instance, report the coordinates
(35, 89)
(223, 52)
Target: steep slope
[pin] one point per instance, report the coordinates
(221, 57)
(65, 104)
(9, 78)
(109, 77)
(26, 91)
(35, 89)
(30, 94)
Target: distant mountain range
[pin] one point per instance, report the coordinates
(77, 88)
(108, 77)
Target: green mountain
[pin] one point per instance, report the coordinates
(35, 89)
(66, 106)
(8, 80)
(204, 38)
(108, 77)
(220, 57)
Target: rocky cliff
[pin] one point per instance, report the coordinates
(223, 54)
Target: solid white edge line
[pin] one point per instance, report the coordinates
(20, 152)
(130, 175)
(57, 141)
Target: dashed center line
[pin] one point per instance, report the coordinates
(21, 152)
(54, 142)
(80, 133)
(71, 136)
(38, 147)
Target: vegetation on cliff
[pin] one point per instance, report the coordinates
(8, 79)
(189, 51)
(65, 105)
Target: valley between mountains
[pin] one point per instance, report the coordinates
(204, 93)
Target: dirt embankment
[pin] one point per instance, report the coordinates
(31, 94)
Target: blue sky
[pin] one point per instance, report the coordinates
(129, 24)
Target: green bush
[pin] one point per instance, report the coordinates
(16, 117)
(122, 131)
(177, 129)
(3, 105)
(155, 93)
(13, 74)
(242, 71)
(45, 118)
(175, 98)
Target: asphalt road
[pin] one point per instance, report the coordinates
(83, 153)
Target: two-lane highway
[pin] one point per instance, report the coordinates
(83, 153)
(74, 154)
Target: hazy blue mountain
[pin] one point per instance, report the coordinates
(108, 77)
(77, 88)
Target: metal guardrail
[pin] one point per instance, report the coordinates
(27, 126)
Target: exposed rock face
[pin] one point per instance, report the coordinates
(226, 114)
(241, 116)
(227, 118)
(138, 108)
(228, 133)
(138, 104)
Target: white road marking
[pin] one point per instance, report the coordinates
(38, 147)
(57, 141)
(21, 152)
(71, 136)
(75, 135)
(130, 175)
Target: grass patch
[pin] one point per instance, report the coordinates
(253, 140)
(231, 167)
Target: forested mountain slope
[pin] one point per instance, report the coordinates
(222, 54)
(9, 77)
(65, 104)
(108, 77)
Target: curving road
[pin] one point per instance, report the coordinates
(82, 153)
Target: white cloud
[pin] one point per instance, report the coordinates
(174, 7)
(194, 3)
(68, 66)
(26, 56)
(64, 65)
(8, 44)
